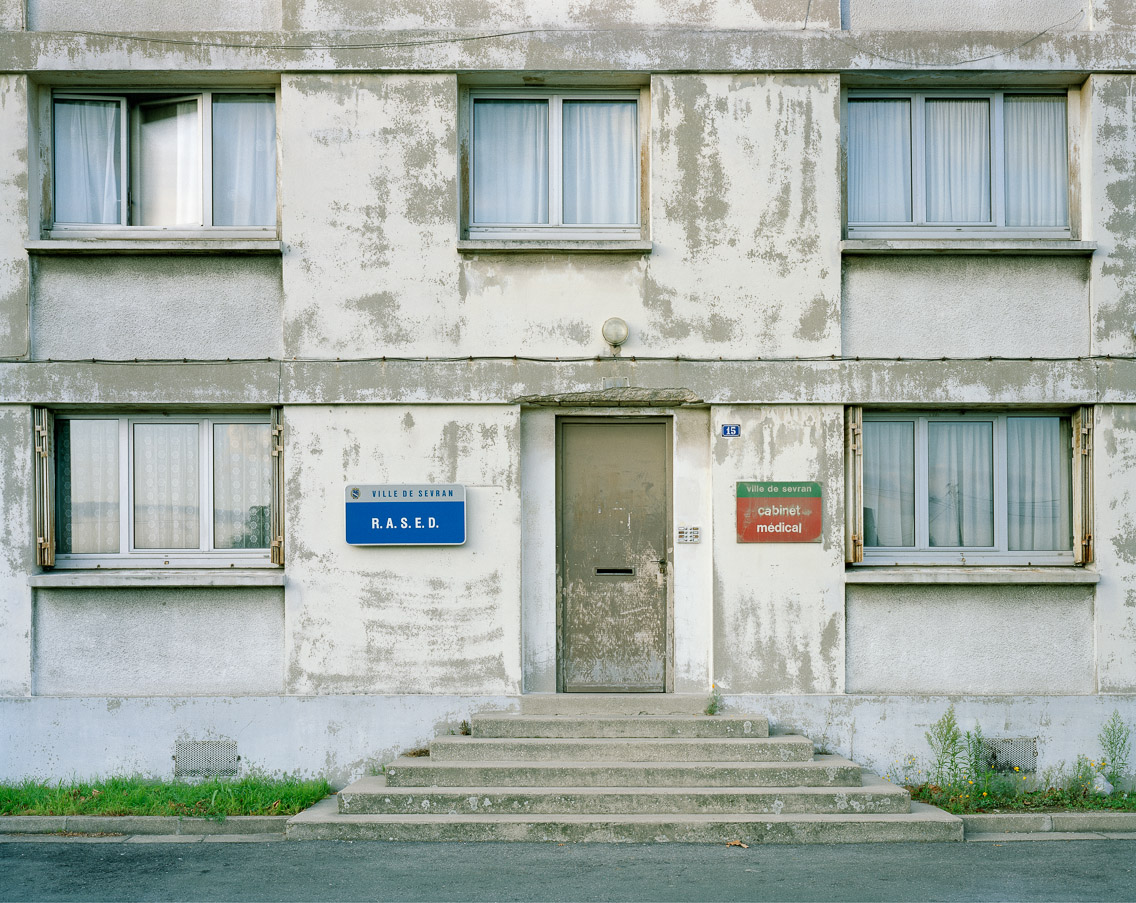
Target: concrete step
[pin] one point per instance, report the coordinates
(620, 726)
(788, 748)
(923, 823)
(371, 796)
(821, 771)
(614, 703)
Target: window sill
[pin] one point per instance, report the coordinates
(538, 245)
(122, 578)
(1010, 246)
(965, 575)
(74, 246)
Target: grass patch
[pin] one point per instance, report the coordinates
(1054, 799)
(140, 796)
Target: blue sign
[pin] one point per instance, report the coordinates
(426, 515)
(731, 429)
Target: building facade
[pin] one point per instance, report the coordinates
(784, 345)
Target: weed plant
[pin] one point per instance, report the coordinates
(141, 796)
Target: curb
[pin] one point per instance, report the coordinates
(142, 824)
(986, 825)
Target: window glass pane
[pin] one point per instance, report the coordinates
(167, 502)
(1039, 495)
(601, 161)
(960, 483)
(88, 161)
(879, 161)
(244, 160)
(889, 483)
(242, 485)
(510, 161)
(958, 161)
(168, 181)
(86, 486)
(1037, 166)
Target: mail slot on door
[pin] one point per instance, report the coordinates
(615, 572)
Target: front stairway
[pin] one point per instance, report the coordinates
(626, 768)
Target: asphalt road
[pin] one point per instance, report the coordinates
(1035, 870)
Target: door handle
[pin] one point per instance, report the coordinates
(662, 565)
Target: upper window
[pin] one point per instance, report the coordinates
(160, 490)
(205, 159)
(939, 163)
(553, 165)
(965, 488)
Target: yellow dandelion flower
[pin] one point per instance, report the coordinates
(1016, 768)
(984, 793)
(970, 782)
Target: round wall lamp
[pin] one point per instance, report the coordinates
(615, 331)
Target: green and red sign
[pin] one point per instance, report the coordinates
(778, 512)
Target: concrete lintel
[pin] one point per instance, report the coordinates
(974, 574)
(121, 577)
(538, 246)
(1007, 246)
(134, 246)
(632, 397)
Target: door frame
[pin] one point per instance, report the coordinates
(668, 422)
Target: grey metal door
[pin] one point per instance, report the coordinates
(613, 497)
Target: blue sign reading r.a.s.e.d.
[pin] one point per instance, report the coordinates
(405, 515)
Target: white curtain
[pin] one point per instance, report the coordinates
(88, 162)
(242, 485)
(889, 483)
(168, 180)
(601, 161)
(1038, 491)
(1037, 165)
(244, 160)
(879, 161)
(167, 502)
(960, 483)
(510, 161)
(958, 161)
(86, 486)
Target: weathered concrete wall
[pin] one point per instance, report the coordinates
(745, 216)
(157, 642)
(442, 619)
(154, 15)
(965, 307)
(988, 640)
(12, 14)
(779, 607)
(17, 549)
(1114, 14)
(1115, 532)
(338, 737)
(13, 216)
(1111, 103)
(511, 14)
(199, 307)
(970, 15)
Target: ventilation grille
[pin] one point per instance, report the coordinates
(1008, 753)
(206, 759)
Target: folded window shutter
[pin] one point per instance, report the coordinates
(276, 514)
(1083, 485)
(853, 484)
(44, 423)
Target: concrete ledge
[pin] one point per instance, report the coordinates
(157, 577)
(143, 824)
(1007, 246)
(154, 246)
(977, 574)
(1049, 823)
(559, 245)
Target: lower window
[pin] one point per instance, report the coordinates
(159, 490)
(942, 487)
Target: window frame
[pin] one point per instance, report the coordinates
(130, 102)
(555, 229)
(129, 556)
(922, 553)
(918, 227)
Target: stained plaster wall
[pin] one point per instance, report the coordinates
(153, 15)
(16, 549)
(986, 640)
(13, 216)
(432, 619)
(779, 607)
(925, 306)
(969, 15)
(1115, 530)
(158, 642)
(197, 307)
(692, 564)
